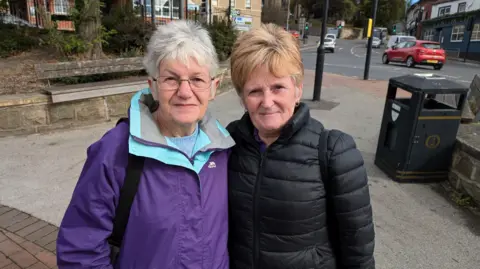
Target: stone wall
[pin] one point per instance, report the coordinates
(351, 33)
(22, 114)
(465, 170)
(34, 113)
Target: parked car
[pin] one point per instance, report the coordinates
(331, 36)
(329, 44)
(295, 34)
(376, 42)
(418, 52)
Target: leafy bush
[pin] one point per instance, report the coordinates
(131, 32)
(223, 36)
(65, 43)
(15, 39)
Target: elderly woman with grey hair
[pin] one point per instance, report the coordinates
(153, 190)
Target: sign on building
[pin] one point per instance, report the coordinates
(243, 23)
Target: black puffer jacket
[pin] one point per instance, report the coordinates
(278, 204)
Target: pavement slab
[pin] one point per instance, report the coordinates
(417, 227)
(26, 241)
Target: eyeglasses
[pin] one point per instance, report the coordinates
(169, 83)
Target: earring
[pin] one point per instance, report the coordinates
(297, 103)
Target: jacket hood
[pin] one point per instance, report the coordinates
(147, 140)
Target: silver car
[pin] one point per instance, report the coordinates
(376, 42)
(329, 44)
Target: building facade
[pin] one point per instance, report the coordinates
(275, 11)
(29, 10)
(445, 8)
(417, 13)
(245, 14)
(456, 25)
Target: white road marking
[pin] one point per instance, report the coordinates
(352, 51)
(394, 70)
(308, 47)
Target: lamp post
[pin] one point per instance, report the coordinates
(371, 25)
(288, 14)
(317, 88)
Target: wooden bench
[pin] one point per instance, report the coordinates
(65, 93)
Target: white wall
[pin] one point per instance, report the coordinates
(471, 5)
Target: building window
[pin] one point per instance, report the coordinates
(457, 33)
(61, 7)
(462, 7)
(162, 9)
(248, 4)
(476, 32)
(429, 34)
(443, 11)
(232, 3)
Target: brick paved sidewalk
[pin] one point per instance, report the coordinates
(25, 241)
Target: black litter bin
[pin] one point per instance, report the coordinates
(419, 127)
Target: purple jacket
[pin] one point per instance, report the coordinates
(179, 218)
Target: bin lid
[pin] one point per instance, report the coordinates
(428, 83)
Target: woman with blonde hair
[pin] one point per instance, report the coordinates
(298, 193)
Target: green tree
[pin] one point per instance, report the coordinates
(88, 26)
(337, 9)
(3, 6)
(342, 9)
(388, 11)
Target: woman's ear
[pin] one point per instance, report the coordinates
(150, 84)
(298, 93)
(153, 88)
(214, 87)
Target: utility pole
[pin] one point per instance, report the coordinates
(317, 88)
(229, 12)
(181, 9)
(288, 14)
(210, 16)
(152, 6)
(371, 24)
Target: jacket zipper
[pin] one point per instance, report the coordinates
(256, 248)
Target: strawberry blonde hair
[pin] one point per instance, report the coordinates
(270, 46)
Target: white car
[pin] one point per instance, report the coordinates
(376, 42)
(329, 44)
(331, 36)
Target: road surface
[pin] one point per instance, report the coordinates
(349, 60)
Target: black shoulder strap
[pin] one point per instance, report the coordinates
(122, 120)
(127, 195)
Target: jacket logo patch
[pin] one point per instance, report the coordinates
(212, 165)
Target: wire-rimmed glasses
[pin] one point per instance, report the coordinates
(170, 83)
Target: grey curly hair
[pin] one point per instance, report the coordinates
(180, 40)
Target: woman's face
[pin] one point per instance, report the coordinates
(183, 104)
(269, 100)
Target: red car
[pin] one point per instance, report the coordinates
(416, 52)
(295, 34)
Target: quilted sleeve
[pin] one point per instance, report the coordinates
(351, 204)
